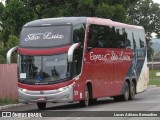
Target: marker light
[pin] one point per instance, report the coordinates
(24, 90)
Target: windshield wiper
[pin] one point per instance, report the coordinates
(22, 80)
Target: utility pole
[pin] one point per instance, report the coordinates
(152, 66)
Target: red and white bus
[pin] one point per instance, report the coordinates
(80, 59)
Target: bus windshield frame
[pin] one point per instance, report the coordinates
(43, 69)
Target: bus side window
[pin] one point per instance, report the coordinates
(134, 42)
(141, 39)
(111, 37)
(98, 36)
(79, 33)
(119, 37)
(136, 38)
(78, 36)
(129, 40)
(92, 41)
(102, 37)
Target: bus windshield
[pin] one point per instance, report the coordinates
(42, 69)
(45, 36)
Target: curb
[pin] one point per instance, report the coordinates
(10, 106)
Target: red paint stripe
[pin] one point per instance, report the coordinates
(27, 51)
(45, 87)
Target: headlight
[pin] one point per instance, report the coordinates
(64, 88)
(61, 89)
(23, 90)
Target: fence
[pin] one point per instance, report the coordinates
(8, 81)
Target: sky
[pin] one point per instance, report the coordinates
(157, 1)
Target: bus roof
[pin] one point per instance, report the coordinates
(77, 20)
(57, 21)
(108, 22)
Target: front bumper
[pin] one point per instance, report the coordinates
(64, 94)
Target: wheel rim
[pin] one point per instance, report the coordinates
(86, 97)
(132, 91)
(127, 93)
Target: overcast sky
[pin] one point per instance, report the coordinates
(157, 1)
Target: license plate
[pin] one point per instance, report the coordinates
(42, 99)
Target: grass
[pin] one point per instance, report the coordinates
(153, 79)
(6, 102)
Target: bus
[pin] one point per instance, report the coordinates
(71, 59)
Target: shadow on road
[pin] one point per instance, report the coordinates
(76, 106)
(73, 106)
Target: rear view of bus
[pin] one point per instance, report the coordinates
(71, 59)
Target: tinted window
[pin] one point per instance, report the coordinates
(141, 38)
(129, 41)
(119, 37)
(136, 39)
(114, 37)
(92, 40)
(78, 36)
(79, 33)
(46, 36)
(102, 34)
(98, 36)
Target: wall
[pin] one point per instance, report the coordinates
(8, 81)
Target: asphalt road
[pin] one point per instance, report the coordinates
(146, 101)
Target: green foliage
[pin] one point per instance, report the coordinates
(105, 11)
(13, 16)
(154, 80)
(147, 14)
(12, 41)
(2, 52)
(15, 13)
(7, 101)
(120, 14)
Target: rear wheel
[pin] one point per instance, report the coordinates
(132, 91)
(93, 101)
(41, 105)
(85, 102)
(125, 96)
(117, 98)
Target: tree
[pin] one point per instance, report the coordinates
(147, 14)
(13, 16)
(15, 13)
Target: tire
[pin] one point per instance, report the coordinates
(85, 102)
(117, 98)
(41, 105)
(93, 101)
(125, 96)
(132, 91)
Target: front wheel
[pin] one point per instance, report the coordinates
(85, 102)
(41, 105)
